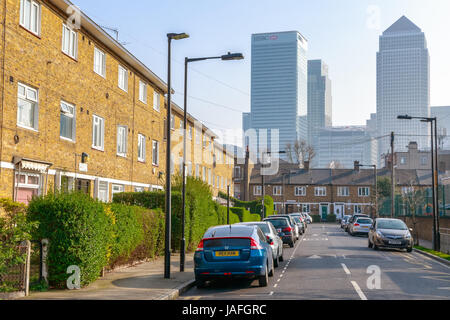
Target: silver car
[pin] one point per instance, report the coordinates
(344, 221)
(360, 226)
(272, 238)
(390, 233)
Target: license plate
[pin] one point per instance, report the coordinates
(365, 227)
(227, 253)
(395, 242)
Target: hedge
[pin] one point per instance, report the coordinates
(80, 231)
(244, 215)
(255, 207)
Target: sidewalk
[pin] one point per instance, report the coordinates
(142, 282)
(426, 244)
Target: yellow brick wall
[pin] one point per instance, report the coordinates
(39, 62)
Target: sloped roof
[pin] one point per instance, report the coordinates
(402, 25)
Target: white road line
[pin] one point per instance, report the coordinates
(346, 269)
(275, 285)
(271, 294)
(359, 291)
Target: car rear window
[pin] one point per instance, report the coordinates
(365, 221)
(279, 223)
(227, 242)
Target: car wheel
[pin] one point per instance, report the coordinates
(281, 257)
(200, 284)
(375, 247)
(272, 271)
(275, 261)
(264, 280)
(291, 244)
(409, 250)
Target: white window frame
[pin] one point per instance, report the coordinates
(300, 191)
(123, 78)
(257, 190)
(357, 209)
(117, 188)
(30, 96)
(26, 21)
(107, 191)
(142, 146)
(142, 91)
(320, 191)
(190, 133)
(100, 69)
(155, 151)
(122, 141)
(69, 46)
(278, 190)
(98, 121)
(341, 192)
(156, 101)
(172, 122)
(64, 108)
(364, 192)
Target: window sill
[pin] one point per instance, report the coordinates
(121, 155)
(31, 32)
(67, 140)
(27, 128)
(98, 149)
(69, 56)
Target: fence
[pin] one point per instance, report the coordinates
(445, 240)
(16, 279)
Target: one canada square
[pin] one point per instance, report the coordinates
(403, 85)
(279, 87)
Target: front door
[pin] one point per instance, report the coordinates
(324, 212)
(338, 211)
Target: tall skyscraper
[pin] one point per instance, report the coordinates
(279, 86)
(443, 117)
(320, 112)
(403, 85)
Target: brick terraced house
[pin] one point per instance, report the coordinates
(77, 110)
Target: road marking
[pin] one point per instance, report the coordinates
(444, 288)
(271, 294)
(346, 269)
(275, 285)
(359, 291)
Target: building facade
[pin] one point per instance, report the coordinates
(403, 85)
(279, 87)
(340, 147)
(78, 111)
(320, 110)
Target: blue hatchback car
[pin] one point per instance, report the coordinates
(234, 251)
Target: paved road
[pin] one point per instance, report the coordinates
(329, 264)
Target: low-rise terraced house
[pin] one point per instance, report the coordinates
(78, 110)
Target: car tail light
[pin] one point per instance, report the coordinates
(356, 224)
(200, 246)
(254, 245)
(270, 240)
(288, 229)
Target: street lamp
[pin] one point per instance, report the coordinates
(226, 57)
(435, 174)
(376, 185)
(170, 37)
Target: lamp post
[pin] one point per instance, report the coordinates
(226, 57)
(435, 174)
(170, 37)
(376, 186)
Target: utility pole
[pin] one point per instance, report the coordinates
(228, 204)
(392, 175)
(436, 187)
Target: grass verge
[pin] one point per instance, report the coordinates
(435, 253)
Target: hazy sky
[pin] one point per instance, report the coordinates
(344, 33)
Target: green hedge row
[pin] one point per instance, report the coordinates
(245, 216)
(255, 207)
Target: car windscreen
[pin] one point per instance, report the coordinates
(297, 219)
(227, 242)
(264, 227)
(392, 225)
(364, 221)
(278, 223)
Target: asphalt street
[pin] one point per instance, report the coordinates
(327, 263)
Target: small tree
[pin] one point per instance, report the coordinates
(300, 152)
(413, 200)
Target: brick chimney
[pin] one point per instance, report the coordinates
(357, 167)
(306, 165)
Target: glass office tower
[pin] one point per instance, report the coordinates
(403, 85)
(279, 86)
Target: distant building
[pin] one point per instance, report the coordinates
(246, 125)
(403, 85)
(340, 147)
(443, 116)
(303, 128)
(320, 112)
(279, 85)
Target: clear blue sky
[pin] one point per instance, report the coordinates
(344, 33)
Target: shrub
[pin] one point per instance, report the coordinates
(14, 228)
(80, 232)
(316, 218)
(331, 218)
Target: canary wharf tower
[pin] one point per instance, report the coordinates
(403, 85)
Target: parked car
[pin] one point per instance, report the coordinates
(234, 251)
(390, 233)
(360, 226)
(297, 225)
(299, 218)
(308, 218)
(344, 221)
(352, 219)
(284, 228)
(272, 238)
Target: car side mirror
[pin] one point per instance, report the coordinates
(410, 229)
